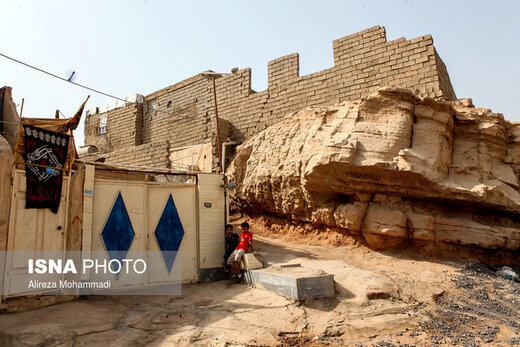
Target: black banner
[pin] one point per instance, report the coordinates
(47, 149)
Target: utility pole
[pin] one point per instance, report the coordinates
(219, 140)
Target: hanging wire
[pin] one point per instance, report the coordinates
(63, 79)
(89, 88)
(63, 115)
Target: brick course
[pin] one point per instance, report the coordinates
(154, 154)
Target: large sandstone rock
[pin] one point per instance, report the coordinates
(391, 166)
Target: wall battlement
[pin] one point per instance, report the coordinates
(184, 113)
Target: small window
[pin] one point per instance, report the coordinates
(169, 104)
(102, 128)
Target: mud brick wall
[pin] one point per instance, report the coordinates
(444, 78)
(184, 113)
(124, 127)
(154, 154)
(363, 62)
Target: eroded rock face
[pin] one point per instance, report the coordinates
(391, 166)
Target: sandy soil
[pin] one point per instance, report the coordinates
(414, 301)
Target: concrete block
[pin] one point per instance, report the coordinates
(297, 283)
(249, 262)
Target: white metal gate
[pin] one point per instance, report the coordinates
(144, 203)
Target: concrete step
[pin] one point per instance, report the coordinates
(298, 283)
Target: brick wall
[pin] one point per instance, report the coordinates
(444, 78)
(155, 154)
(184, 113)
(363, 62)
(124, 125)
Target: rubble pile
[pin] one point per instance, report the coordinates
(392, 167)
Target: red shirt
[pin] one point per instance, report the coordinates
(245, 238)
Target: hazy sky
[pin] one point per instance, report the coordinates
(127, 47)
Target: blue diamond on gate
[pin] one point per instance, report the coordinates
(169, 233)
(118, 232)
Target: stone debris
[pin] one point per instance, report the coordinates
(508, 273)
(486, 304)
(392, 167)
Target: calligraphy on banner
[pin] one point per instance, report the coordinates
(48, 151)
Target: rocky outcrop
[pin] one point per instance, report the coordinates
(392, 167)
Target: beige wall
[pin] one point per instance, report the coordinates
(200, 156)
(6, 167)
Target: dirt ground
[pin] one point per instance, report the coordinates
(382, 299)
